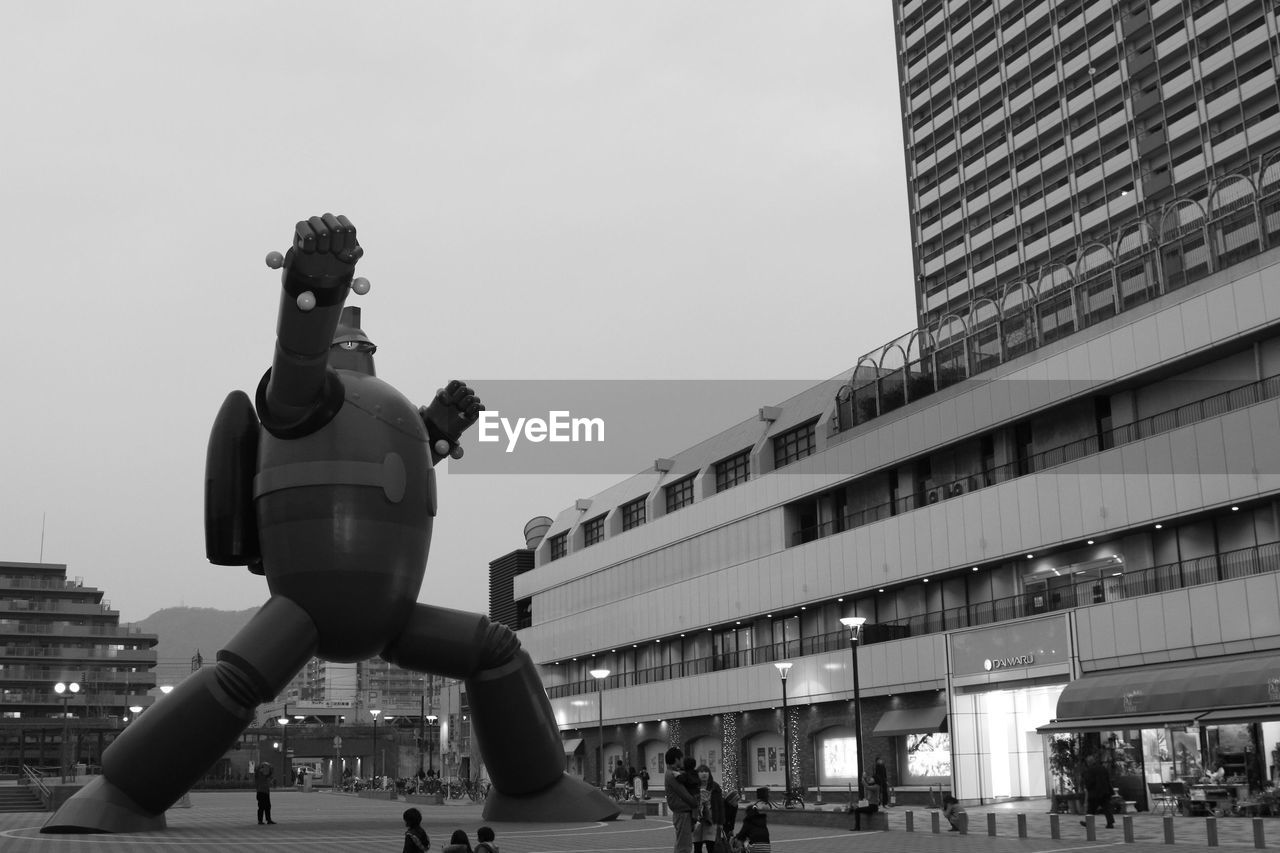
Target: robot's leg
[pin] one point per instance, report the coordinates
(512, 719)
(167, 749)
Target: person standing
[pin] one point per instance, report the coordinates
(755, 824)
(679, 801)
(262, 778)
(1097, 790)
(709, 820)
(881, 774)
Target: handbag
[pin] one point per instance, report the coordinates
(722, 843)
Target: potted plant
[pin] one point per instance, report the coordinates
(1064, 762)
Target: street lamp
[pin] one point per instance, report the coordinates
(431, 721)
(286, 766)
(66, 691)
(854, 624)
(600, 675)
(375, 712)
(783, 668)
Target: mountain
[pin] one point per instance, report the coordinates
(185, 630)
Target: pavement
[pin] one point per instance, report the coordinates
(324, 822)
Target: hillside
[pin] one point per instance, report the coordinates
(184, 630)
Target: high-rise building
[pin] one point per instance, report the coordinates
(1037, 131)
(1077, 549)
(55, 629)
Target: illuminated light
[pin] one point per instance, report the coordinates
(1235, 509)
(839, 599)
(926, 580)
(881, 589)
(1029, 556)
(802, 607)
(1116, 574)
(975, 568)
(1090, 542)
(1159, 527)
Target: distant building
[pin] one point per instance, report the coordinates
(56, 629)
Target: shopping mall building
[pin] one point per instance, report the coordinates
(1054, 503)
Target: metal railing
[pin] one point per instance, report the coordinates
(34, 778)
(1212, 406)
(1227, 565)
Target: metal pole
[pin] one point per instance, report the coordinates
(422, 715)
(857, 711)
(786, 745)
(600, 733)
(287, 764)
(376, 771)
(65, 734)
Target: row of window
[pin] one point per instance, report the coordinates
(788, 447)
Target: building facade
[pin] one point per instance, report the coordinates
(56, 629)
(1055, 496)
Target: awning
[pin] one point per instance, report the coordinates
(1241, 715)
(572, 745)
(912, 721)
(1106, 724)
(1192, 688)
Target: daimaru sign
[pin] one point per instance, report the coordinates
(1004, 663)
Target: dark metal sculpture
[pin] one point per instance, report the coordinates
(329, 491)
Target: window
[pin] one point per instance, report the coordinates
(732, 471)
(680, 494)
(793, 444)
(559, 546)
(633, 514)
(593, 531)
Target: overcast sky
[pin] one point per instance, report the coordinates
(569, 190)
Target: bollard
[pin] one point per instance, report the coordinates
(1259, 840)
(991, 824)
(1211, 831)
(1055, 832)
(936, 817)
(1168, 829)
(1127, 820)
(1022, 826)
(911, 821)
(963, 820)
(1090, 828)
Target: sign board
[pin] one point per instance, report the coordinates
(337, 742)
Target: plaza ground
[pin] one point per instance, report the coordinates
(320, 822)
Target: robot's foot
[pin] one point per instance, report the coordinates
(102, 807)
(569, 800)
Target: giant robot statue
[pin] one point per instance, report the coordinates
(329, 491)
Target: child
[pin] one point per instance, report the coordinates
(458, 843)
(486, 844)
(755, 826)
(955, 814)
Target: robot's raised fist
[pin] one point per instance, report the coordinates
(324, 247)
(454, 410)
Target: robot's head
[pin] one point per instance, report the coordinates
(351, 348)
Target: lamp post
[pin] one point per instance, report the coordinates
(600, 675)
(854, 624)
(783, 668)
(375, 712)
(66, 691)
(431, 720)
(286, 766)
(136, 709)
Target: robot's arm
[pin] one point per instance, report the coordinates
(300, 394)
(452, 412)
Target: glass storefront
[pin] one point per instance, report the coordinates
(765, 760)
(998, 752)
(838, 756)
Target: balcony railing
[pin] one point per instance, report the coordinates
(1180, 416)
(1227, 565)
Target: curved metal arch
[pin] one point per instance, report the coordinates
(913, 344)
(888, 363)
(1093, 258)
(1180, 215)
(859, 379)
(1053, 278)
(984, 313)
(1021, 294)
(950, 329)
(1230, 192)
(1133, 238)
(1269, 174)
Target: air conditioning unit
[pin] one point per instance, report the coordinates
(934, 495)
(957, 488)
